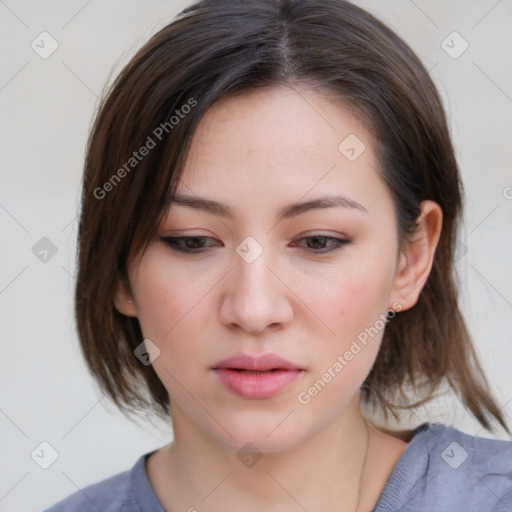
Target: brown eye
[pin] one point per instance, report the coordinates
(187, 244)
(317, 243)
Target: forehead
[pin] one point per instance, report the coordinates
(275, 146)
(274, 125)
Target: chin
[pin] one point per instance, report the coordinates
(269, 432)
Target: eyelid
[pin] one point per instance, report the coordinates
(307, 234)
(319, 233)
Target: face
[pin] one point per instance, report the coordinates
(311, 286)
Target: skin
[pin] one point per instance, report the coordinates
(257, 153)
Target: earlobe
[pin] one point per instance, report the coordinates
(417, 256)
(123, 301)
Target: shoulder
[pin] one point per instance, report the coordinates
(447, 469)
(471, 468)
(122, 492)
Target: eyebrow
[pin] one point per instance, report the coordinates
(286, 212)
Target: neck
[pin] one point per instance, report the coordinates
(322, 473)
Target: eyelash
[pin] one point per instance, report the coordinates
(173, 241)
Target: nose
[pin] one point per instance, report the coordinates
(255, 296)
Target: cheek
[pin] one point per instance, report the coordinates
(353, 297)
(354, 307)
(164, 295)
(174, 310)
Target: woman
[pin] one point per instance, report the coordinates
(269, 215)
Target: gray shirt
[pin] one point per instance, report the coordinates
(442, 469)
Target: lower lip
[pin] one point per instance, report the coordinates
(257, 385)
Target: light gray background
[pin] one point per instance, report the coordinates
(47, 106)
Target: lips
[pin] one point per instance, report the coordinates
(256, 377)
(262, 363)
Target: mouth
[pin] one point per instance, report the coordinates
(260, 363)
(256, 377)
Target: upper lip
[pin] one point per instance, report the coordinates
(258, 363)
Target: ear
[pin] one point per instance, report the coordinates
(417, 256)
(123, 300)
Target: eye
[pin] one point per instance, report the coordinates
(187, 244)
(316, 243)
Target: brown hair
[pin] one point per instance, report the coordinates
(215, 49)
